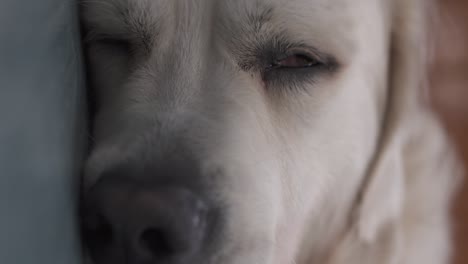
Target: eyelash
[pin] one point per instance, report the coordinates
(277, 77)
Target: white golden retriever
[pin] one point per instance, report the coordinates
(263, 132)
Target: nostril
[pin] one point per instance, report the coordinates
(157, 242)
(125, 222)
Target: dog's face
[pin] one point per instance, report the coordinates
(224, 130)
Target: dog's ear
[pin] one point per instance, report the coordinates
(381, 199)
(407, 190)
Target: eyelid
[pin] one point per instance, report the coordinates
(308, 52)
(93, 36)
(298, 77)
(285, 49)
(303, 52)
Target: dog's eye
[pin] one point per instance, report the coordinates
(108, 42)
(123, 45)
(297, 69)
(295, 61)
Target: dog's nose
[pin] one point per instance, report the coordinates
(127, 222)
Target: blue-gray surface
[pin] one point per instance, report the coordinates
(41, 109)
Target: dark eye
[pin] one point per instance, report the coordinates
(295, 61)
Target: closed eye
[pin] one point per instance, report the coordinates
(296, 69)
(295, 61)
(285, 64)
(108, 41)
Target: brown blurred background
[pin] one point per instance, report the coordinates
(449, 80)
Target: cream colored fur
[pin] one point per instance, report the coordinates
(403, 215)
(355, 169)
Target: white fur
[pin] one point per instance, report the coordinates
(353, 169)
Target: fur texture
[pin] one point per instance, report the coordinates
(341, 163)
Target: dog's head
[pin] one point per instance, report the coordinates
(243, 131)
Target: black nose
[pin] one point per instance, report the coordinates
(129, 222)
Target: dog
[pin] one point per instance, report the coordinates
(263, 132)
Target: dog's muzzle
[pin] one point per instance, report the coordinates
(130, 220)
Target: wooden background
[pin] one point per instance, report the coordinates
(449, 80)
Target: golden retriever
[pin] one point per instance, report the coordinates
(263, 132)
